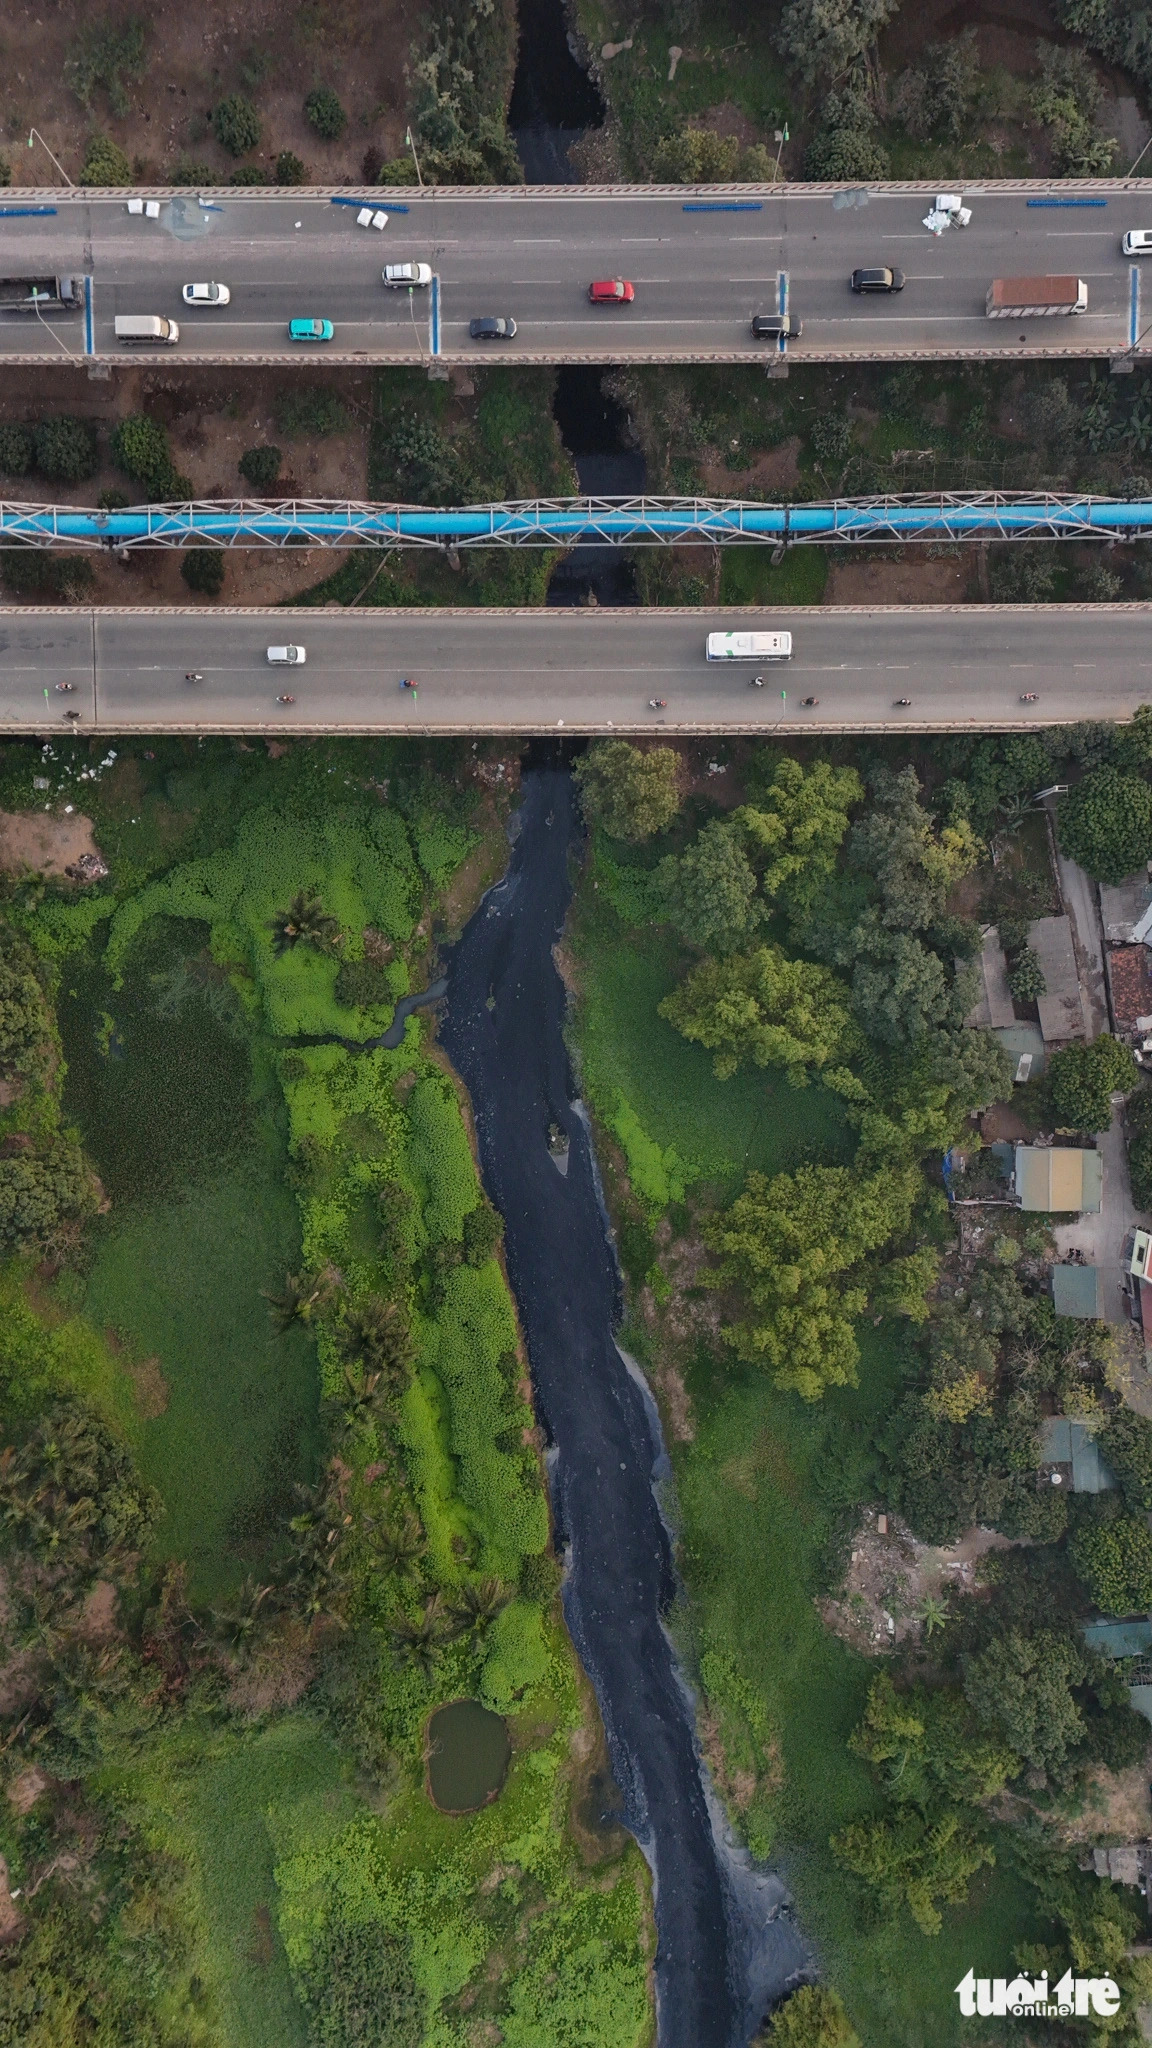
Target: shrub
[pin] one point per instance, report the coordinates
(236, 124)
(399, 170)
(203, 570)
(106, 55)
(483, 1234)
(1105, 823)
(1127, 1447)
(629, 793)
(104, 163)
(5, 171)
(260, 466)
(65, 449)
(1026, 977)
(291, 169)
(812, 2018)
(249, 174)
(140, 449)
(188, 170)
(517, 1657)
(831, 436)
(325, 114)
(360, 1987)
(1138, 1117)
(310, 412)
(113, 500)
(360, 984)
(1114, 1561)
(38, 1192)
(23, 1025)
(15, 450)
(28, 571)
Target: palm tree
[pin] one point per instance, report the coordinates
(377, 1333)
(475, 1606)
(933, 1613)
(236, 1625)
(401, 1548)
(303, 1295)
(305, 922)
(422, 1640)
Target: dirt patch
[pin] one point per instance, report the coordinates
(47, 841)
(212, 417)
(261, 1940)
(917, 579)
(776, 470)
(894, 1584)
(196, 56)
(729, 119)
(26, 1788)
(596, 1801)
(98, 1619)
(1002, 1124)
(1007, 31)
(1116, 1807)
(149, 1387)
(484, 865)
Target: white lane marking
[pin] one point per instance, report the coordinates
(540, 280)
(541, 241)
(1080, 234)
(756, 238)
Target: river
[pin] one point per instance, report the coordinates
(726, 1945)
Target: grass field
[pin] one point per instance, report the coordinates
(720, 1128)
(200, 1223)
(748, 577)
(207, 1795)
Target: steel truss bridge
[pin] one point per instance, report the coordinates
(568, 522)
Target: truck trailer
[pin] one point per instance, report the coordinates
(1030, 298)
(40, 294)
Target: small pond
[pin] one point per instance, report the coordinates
(468, 1753)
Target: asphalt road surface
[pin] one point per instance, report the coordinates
(963, 667)
(702, 265)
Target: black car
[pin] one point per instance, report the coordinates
(770, 326)
(493, 328)
(877, 280)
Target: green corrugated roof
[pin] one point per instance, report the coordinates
(1076, 1290)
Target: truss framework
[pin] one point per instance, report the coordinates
(569, 522)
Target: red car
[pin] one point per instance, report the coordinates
(612, 291)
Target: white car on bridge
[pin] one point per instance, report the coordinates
(286, 657)
(206, 295)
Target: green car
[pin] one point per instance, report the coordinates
(310, 330)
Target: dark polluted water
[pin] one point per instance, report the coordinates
(594, 429)
(553, 99)
(726, 1945)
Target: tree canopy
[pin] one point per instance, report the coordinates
(630, 793)
(813, 2017)
(795, 829)
(915, 1862)
(792, 1244)
(23, 1022)
(1022, 1687)
(1105, 823)
(763, 1007)
(709, 891)
(1081, 1079)
(822, 39)
(1114, 1561)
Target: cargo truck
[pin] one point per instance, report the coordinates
(1031, 298)
(43, 294)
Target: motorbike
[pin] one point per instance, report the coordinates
(903, 700)
(285, 700)
(192, 675)
(809, 701)
(757, 682)
(657, 703)
(407, 682)
(1030, 697)
(65, 686)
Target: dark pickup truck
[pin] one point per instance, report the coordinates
(44, 294)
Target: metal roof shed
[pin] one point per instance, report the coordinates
(1059, 1177)
(1076, 1291)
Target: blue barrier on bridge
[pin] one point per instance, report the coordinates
(1066, 202)
(723, 206)
(23, 212)
(392, 206)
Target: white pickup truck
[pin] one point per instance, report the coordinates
(749, 647)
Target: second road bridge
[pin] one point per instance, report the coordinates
(703, 262)
(964, 667)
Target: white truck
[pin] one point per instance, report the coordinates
(749, 647)
(1035, 298)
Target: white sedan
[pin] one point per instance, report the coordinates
(286, 657)
(1137, 242)
(206, 295)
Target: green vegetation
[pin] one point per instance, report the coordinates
(140, 448)
(1081, 1079)
(203, 570)
(324, 113)
(1105, 823)
(105, 163)
(876, 1775)
(632, 794)
(291, 169)
(260, 466)
(236, 124)
(321, 1512)
(462, 64)
(106, 54)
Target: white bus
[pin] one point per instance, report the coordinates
(749, 647)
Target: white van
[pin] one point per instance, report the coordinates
(749, 647)
(145, 330)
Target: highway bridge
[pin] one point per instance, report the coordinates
(703, 261)
(964, 668)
